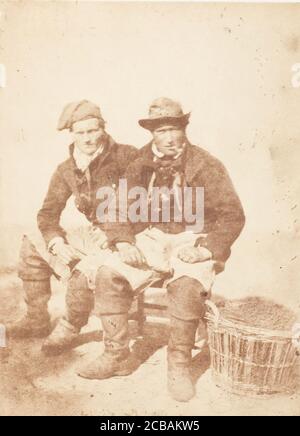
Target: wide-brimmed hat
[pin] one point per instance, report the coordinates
(79, 111)
(165, 111)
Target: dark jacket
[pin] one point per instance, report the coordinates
(105, 170)
(223, 213)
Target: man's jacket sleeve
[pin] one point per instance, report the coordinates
(224, 214)
(122, 230)
(48, 217)
(118, 231)
(126, 155)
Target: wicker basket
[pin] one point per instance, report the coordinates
(247, 360)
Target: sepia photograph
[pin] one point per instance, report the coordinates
(149, 210)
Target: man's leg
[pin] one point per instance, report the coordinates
(186, 307)
(79, 304)
(35, 274)
(113, 298)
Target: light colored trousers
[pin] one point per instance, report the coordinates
(160, 250)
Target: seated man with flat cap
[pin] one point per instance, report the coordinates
(95, 160)
(191, 256)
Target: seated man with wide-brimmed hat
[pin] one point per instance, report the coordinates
(185, 240)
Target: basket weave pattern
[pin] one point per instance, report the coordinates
(247, 360)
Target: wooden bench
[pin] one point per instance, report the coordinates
(147, 300)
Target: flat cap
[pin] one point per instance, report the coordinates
(79, 111)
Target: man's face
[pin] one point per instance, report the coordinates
(87, 135)
(169, 140)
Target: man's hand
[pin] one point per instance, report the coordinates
(194, 254)
(131, 255)
(64, 252)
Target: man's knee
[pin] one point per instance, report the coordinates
(109, 281)
(31, 265)
(187, 298)
(79, 300)
(79, 297)
(113, 293)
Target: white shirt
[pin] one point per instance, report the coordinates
(83, 160)
(177, 183)
(159, 154)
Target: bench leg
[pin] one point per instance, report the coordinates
(140, 314)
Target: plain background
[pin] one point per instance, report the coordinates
(230, 65)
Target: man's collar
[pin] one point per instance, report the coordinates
(156, 152)
(160, 155)
(83, 160)
(108, 146)
(193, 163)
